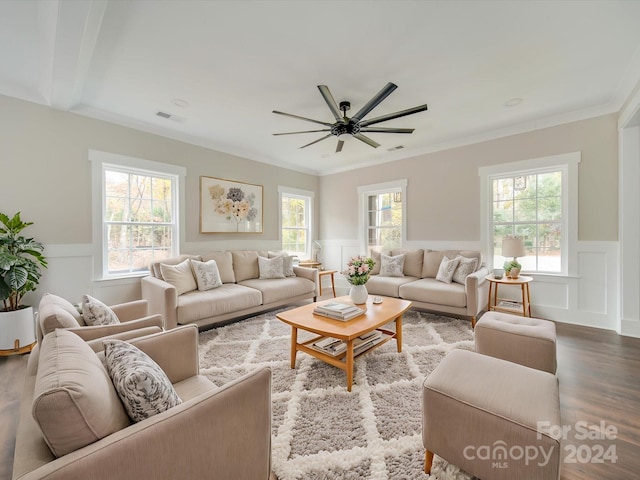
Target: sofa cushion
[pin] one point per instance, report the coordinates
(180, 276)
(224, 260)
(375, 254)
(447, 269)
(56, 312)
(245, 264)
(392, 266)
(207, 274)
(143, 387)
(466, 253)
(387, 286)
(271, 267)
(430, 290)
(74, 403)
(228, 298)
(97, 313)
(431, 263)
(466, 266)
(413, 260)
(274, 290)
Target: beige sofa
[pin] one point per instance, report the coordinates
(419, 283)
(214, 433)
(241, 294)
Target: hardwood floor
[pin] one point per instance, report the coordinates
(599, 374)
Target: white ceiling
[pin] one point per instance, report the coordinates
(234, 62)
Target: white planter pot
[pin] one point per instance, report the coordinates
(17, 329)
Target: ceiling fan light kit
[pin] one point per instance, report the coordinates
(346, 127)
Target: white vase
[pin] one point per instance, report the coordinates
(17, 329)
(514, 273)
(358, 294)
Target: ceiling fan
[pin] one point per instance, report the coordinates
(354, 125)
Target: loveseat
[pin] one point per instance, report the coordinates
(248, 282)
(69, 406)
(462, 290)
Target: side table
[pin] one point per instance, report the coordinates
(321, 274)
(497, 304)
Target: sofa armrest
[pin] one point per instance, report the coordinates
(99, 331)
(97, 346)
(475, 291)
(162, 298)
(309, 274)
(131, 310)
(224, 433)
(175, 351)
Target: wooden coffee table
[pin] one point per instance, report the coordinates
(377, 315)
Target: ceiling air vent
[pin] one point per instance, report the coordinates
(395, 148)
(163, 114)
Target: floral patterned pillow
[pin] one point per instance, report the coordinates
(466, 266)
(271, 267)
(207, 274)
(447, 269)
(391, 266)
(143, 387)
(94, 312)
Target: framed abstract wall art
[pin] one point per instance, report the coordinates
(227, 206)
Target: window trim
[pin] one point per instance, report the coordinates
(100, 161)
(307, 195)
(568, 163)
(374, 189)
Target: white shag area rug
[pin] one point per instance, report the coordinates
(320, 431)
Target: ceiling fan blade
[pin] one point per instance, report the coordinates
(333, 106)
(306, 131)
(391, 116)
(374, 102)
(386, 130)
(302, 118)
(316, 141)
(339, 146)
(366, 140)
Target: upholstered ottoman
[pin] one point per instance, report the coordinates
(491, 417)
(528, 341)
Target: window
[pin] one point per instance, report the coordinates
(535, 200)
(383, 207)
(295, 221)
(137, 208)
(529, 206)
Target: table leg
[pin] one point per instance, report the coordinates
(349, 364)
(399, 333)
(524, 300)
(528, 298)
(294, 345)
(333, 286)
(489, 302)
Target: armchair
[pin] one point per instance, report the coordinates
(214, 433)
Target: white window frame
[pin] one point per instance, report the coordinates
(309, 198)
(365, 191)
(568, 164)
(101, 161)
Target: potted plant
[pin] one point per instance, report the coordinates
(512, 268)
(21, 260)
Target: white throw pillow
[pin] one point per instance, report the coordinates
(271, 267)
(207, 274)
(466, 266)
(143, 387)
(447, 269)
(287, 266)
(391, 266)
(180, 276)
(94, 312)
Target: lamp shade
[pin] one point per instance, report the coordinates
(513, 247)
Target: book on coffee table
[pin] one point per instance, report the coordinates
(338, 311)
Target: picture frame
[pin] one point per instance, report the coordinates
(229, 206)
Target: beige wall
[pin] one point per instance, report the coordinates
(444, 187)
(45, 172)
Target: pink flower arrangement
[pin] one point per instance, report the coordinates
(358, 270)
